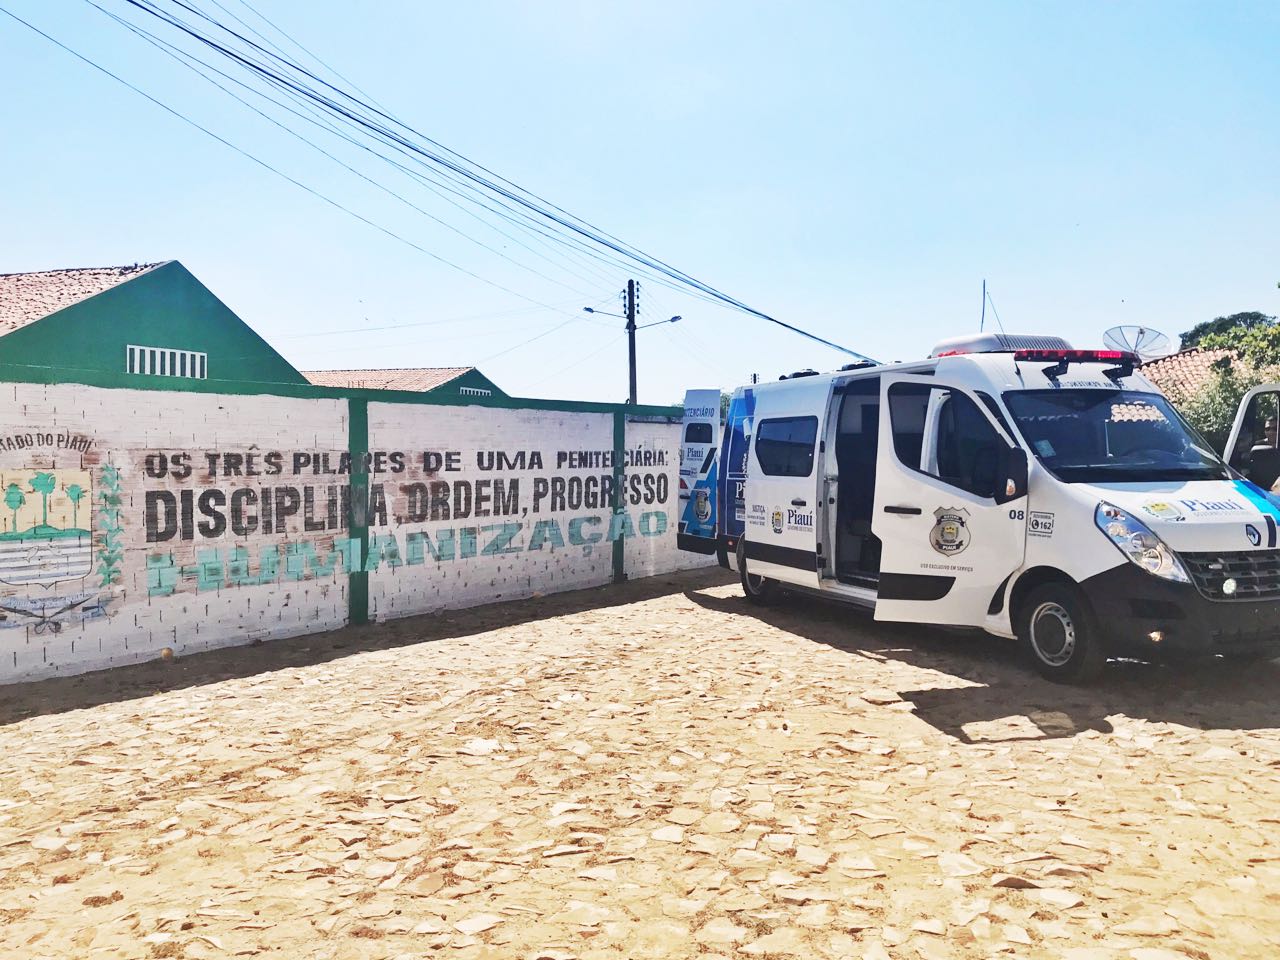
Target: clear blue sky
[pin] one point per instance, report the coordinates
(853, 168)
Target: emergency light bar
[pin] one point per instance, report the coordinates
(1076, 356)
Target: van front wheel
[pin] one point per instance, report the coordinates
(757, 589)
(1057, 631)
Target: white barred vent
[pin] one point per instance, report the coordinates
(167, 362)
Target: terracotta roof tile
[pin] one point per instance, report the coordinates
(1135, 412)
(420, 379)
(28, 297)
(1184, 374)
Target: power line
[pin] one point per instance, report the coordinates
(184, 59)
(423, 323)
(452, 170)
(292, 91)
(579, 362)
(462, 166)
(522, 343)
(266, 166)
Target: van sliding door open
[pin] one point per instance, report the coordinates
(951, 525)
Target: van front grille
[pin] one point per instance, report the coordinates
(1256, 573)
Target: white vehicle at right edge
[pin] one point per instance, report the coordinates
(1010, 483)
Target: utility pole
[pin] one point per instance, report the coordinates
(632, 296)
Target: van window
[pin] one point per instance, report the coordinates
(697, 433)
(907, 405)
(965, 446)
(1111, 436)
(784, 446)
(968, 446)
(989, 402)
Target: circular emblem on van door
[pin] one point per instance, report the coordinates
(1254, 534)
(702, 505)
(950, 534)
(777, 519)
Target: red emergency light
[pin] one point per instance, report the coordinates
(1075, 356)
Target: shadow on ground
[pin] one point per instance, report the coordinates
(21, 701)
(1207, 695)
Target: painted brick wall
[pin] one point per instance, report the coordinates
(132, 522)
(552, 527)
(80, 585)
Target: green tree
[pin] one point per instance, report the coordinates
(1254, 343)
(15, 501)
(44, 484)
(1220, 325)
(75, 493)
(1212, 411)
(1258, 345)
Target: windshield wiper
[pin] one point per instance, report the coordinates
(1102, 473)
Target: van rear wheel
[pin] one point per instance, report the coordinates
(1059, 635)
(756, 588)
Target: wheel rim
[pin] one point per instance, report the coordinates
(755, 582)
(1053, 634)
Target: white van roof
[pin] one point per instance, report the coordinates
(998, 361)
(997, 343)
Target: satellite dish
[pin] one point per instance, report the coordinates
(1148, 344)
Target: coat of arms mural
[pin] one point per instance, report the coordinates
(60, 545)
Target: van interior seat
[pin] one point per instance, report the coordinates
(858, 549)
(1264, 466)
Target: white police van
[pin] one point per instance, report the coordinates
(1009, 483)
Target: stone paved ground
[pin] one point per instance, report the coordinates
(656, 770)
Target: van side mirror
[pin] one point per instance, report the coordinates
(1011, 480)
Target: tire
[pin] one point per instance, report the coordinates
(757, 589)
(1059, 635)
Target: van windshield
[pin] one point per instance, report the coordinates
(1100, 436)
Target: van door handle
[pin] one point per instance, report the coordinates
(797, 502)
(905, 511)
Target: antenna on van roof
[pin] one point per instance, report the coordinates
(986, 298)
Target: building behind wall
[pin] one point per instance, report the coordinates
(132, 326)
(155, 325)
(440, 381)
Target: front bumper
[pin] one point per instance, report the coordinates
(1131, 604)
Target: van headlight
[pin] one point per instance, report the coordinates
(1136, 541)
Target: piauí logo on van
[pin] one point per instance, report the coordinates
(45, 535)
(950, 533)
(777, 519)
(1162, 510)
(800, 519)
